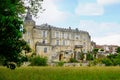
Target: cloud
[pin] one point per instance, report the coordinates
(94, 26)
(109, 26)
(89, 9)
(52, 14)
(107, 2)
(90, 26)
(113, 39)
(108, 32)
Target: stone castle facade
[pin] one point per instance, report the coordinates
(56, 43)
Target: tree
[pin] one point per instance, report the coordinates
(89, 56)
(95, 51)
(118, 50)
(11, 43)
(82, 56)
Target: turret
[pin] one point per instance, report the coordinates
(29, 24)
(28, 20)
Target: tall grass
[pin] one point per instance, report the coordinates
(61, 73)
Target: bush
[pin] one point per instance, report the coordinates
(95, 62)
(60, 63)
(38, 61)
(107, 62)
(72, 60)
(90, 64)
(89, 56)
(116, 62)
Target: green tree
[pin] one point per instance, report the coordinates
(11, 43)
(82, 56)
(89, 56)
(95, 51)
(118, 50)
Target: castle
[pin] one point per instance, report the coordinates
(58, 44)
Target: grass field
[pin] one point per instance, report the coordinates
(60, 73)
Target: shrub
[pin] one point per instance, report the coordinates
(90, 64)
(116, 62)
(38, 61)
(95, 62)
(60, 63)
(80, 64)
(89, 56)
(72, 60)
(107, 62)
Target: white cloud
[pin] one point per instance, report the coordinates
(107, 2)
(108, 25)
(113, 39)
(89, 9)
(94, 26)
(91, 26)
(108, 32)
(52, 14)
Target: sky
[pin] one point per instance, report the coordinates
(101, 18)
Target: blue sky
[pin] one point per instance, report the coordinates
(101, 18)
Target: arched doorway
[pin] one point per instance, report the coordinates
(60, 57)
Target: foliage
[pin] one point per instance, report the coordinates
(72, 60)
(112, 59)
(101, 56)
(2, 59)
(11, 65)
(101, 49)
(89, 64)
(11, 44)
(107, 62)
(61, 63)
(116, 60)
(89, 56)
(38, 61)
(34, 6)
(81, 56)
(118, 50)
(95, 51)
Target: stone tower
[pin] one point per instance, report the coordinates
(29, 24)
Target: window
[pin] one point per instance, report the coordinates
(43, 41)
(44, 33)
(57, 42)
(62, 35)
(45, 50)
(28, 41)
(28, 33)
(56, 35)
(84, 44)
(65, 35)
(68, 43)
(69, 36)
(63, 42)
(76, 37)
(84, 50)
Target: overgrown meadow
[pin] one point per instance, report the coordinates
(60, 73)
